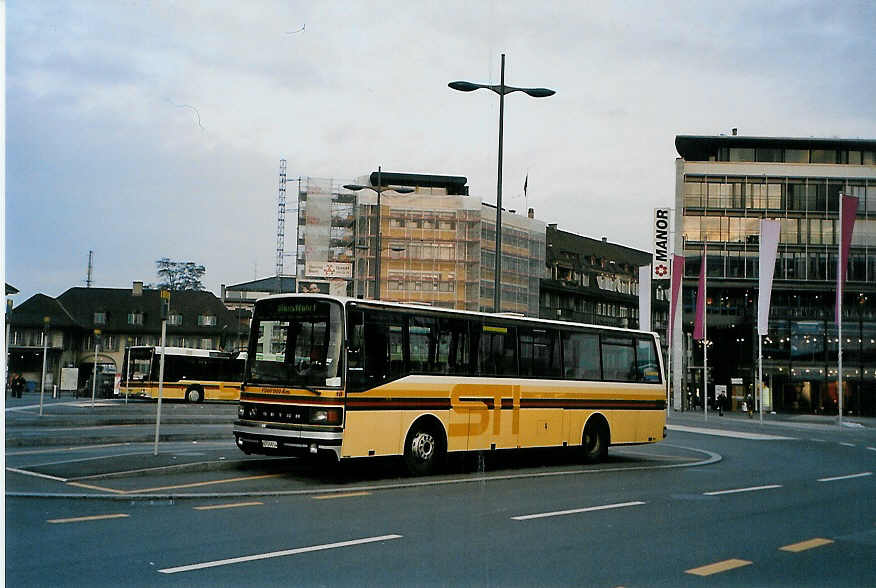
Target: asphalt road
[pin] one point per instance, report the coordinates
(723, 502)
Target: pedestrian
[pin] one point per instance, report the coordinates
(18, 385)
(721, 399)
(749, 405)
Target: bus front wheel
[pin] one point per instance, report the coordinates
(424, 449)
(194, 394)
(595, 442)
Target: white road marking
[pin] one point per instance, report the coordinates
(849, 477)
(848, 444)
(91, 518)
(223, 506)
(723, 433)
(872, 448)
(576, 511)
(234, 560)
(36, 475)
(737, 490)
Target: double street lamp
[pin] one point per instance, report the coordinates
(501, 89)
(379, 189)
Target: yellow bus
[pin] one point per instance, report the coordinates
(193, 375)
(357, 378)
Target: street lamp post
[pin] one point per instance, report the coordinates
(379, 189)
(501, 89)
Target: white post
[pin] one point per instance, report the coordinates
(160, 384)
(43, 376)
(128, 376)
(839, 314)
(94, 374)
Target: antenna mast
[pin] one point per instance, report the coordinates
(88, 280)
(281, 218)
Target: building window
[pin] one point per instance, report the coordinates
(796, 156)
(135, 318)
(741, 154)
(206, 320)
(175, 320)
(99, 318)
(823, 156)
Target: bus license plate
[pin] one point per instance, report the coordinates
(267, 444)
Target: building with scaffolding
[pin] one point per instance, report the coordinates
(437, 244)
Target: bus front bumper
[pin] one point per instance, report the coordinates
(270, 440)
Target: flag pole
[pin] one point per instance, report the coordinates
(760, 372)
(705, 336)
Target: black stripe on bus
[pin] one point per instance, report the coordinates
(398, 403)
(507, 404)
(289, 399)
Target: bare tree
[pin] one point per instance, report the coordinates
(179, 275)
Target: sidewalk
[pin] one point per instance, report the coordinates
(773, 419)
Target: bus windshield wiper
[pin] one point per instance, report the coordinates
(310, 389)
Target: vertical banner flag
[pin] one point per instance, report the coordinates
(525, 184)
(769, 245)
(660, 233)
(677, 275)
(699, 324)
(848, 208)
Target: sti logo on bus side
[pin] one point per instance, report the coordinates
(478, 402)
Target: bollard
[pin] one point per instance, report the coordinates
(55, 391)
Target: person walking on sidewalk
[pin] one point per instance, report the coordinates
(18, 385)
(749, 405)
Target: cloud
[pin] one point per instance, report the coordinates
(99, 155)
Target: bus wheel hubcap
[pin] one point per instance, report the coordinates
(423, 446)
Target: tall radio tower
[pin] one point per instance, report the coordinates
(281, 219)
(88, 280)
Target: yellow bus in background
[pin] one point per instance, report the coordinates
(193, 375)
(356, 378)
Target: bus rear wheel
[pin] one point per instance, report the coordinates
(194, 394)
(594, 444)
(424, 449)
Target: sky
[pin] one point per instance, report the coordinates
(148, 129)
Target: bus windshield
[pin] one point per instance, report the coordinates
(298, 343)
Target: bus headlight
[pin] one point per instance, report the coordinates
(325, 416)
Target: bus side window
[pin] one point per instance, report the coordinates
(422, 341)
(383, 344)
(618, 359)
(647, 368)
(539, 353)
(356, 380)
(453, 354)
(581, 356)
(497, 351)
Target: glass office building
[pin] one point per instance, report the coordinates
(724, 186)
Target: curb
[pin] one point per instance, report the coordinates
(711, 458)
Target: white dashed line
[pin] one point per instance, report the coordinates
(576, 511)
(738, 490)
(849, 477)
(234, 560)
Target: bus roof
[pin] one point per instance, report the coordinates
(187, 351)
(345, 300)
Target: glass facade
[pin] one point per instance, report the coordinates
(721, 199)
